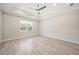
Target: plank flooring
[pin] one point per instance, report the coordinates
(38, 45)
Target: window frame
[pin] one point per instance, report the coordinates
(26, 22)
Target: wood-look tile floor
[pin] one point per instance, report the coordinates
(38, 45)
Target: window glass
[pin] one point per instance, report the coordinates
(26, 26)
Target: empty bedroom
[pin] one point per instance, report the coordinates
(39, 28)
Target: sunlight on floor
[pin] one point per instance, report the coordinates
(26, 45)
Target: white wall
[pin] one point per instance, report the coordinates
(0, 27)
(11, 27)
(65, 26)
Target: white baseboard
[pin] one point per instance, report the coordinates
(60, 38)
(42, 35)
(17, 38)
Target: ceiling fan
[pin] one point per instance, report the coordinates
(71, 4)
(38, 9)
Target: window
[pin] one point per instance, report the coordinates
(26, 25)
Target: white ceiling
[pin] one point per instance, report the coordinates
(24, 9)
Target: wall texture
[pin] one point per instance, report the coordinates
(0, 27)
(65, 26)
(11, 27)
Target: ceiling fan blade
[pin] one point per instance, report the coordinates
(34, 9)
(71, 4)
(42, 7)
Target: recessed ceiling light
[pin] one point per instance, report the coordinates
(54, 4)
